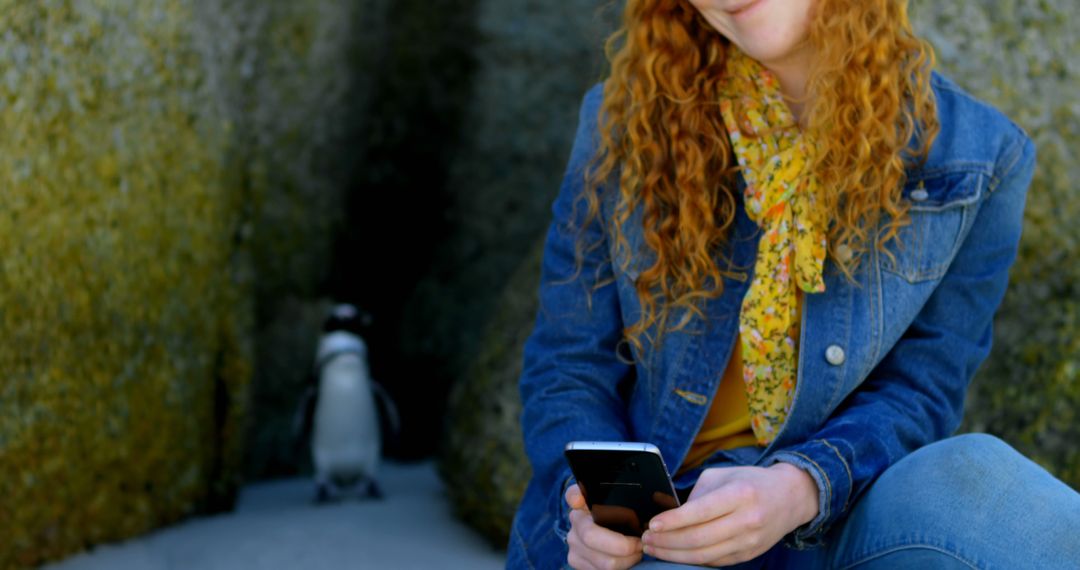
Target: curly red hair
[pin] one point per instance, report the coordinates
(661, 130)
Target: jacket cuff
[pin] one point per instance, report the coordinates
(823, 461)
(562, 520)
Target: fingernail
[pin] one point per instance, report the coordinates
(656, 526)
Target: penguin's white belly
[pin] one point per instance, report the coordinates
(346, 439)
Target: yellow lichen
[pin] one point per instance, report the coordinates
(118, 304)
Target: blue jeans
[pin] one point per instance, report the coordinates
(968, 501)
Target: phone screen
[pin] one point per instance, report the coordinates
(624, 489)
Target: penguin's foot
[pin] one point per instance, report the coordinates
(323, 494)
(373, 490)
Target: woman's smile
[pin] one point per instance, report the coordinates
(744, 9)
(771, 31)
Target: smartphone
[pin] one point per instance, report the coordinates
(625, 484)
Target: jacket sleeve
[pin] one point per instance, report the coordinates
(570, 371)
(915, 395)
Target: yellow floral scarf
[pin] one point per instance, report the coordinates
(780, 198)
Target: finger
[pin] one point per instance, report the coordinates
(604, 561)
(574, 498)
(702, 535)
(604, 540)
(732, 551)
(577, 499)
(582, 556)
(577, 557)
(721, 501)
(600, 561)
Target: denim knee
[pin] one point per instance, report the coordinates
(966, 449)
(970, 464)
(910, 558)
(972, 497)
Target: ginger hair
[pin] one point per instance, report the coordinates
(664, 139)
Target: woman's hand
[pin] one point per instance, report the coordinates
(734, 514)
(593, 547)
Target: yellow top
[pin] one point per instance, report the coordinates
(727, 423)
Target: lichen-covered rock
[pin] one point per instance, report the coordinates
(124, 293)
(1020, 55)
(533, 59)
(481, 457)
(157, 156)
(310, 67)
(284, 353)
(1016, 54)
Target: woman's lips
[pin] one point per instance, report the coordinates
(742, 7)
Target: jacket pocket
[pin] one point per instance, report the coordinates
(940, 206)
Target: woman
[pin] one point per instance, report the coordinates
(830, 224)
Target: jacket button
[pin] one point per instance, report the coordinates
(834, 354)
(843, 252)
(919, 195)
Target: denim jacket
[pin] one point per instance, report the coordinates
(883, 367)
